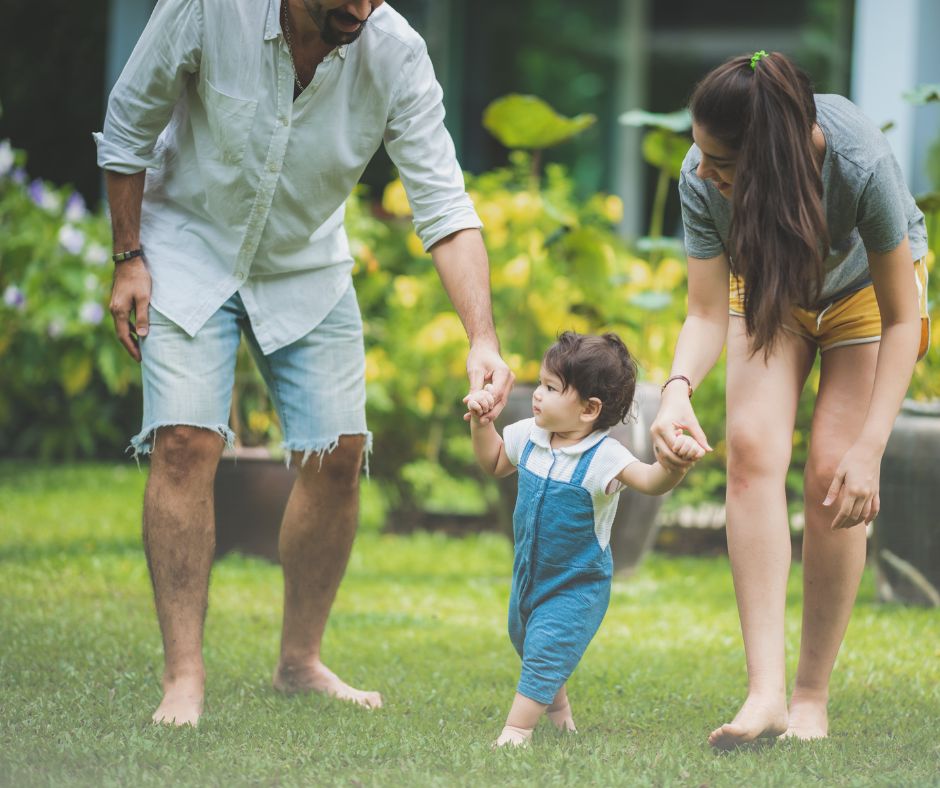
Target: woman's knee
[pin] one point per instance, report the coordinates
(754, 453)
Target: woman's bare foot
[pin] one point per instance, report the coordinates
(759, 717)
(809, 717)
(182, 701)
(513, 737)
(561, 718)
(319, 678)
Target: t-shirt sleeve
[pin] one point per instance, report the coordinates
(882, 206)
(515, 437)
(701, 236)
(614, 458)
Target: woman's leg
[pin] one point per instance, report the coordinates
(762, 397)
(832, 560)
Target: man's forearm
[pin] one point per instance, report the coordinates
(125, 195)
(464, 269)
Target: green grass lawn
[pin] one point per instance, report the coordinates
(421, 618)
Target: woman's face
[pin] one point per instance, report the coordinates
(718, 161)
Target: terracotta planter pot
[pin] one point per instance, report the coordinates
(635, 526)
(251, 490)
(906, 537)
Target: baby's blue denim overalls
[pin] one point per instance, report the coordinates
(560, 578)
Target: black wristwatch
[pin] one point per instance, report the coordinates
(122, 257)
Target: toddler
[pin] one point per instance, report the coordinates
(570, 475)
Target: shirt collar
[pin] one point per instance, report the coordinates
(543, 438)
(272, 27)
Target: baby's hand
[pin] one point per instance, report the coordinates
(480, 401)
(687, 448)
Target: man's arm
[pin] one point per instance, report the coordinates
(462, 264)
(130, 291)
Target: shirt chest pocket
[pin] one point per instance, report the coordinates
(229, 121)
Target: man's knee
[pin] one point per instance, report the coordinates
(340, 468)
(180, 450)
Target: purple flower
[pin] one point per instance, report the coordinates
(75, 209)
(14, 297)
(71, 238)
(37, 192)
(18, 175)
(6, 157)
(91, 312)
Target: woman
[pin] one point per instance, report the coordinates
(799, 198)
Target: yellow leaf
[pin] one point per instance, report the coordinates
(395, 199)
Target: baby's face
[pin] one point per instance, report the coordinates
(556, 409)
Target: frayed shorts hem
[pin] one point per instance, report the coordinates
(142, 442)
(323, 447)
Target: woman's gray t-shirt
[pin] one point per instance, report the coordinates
(868, 206)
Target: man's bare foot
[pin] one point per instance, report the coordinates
(513, 737)
(561, 717)
(182, 702)
(809, 717)
(759, 717)
(319, 678)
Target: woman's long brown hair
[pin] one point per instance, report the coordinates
(778, 226)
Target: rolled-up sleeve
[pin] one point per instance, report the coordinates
(142, 100)
(702, 239)
(421, 147)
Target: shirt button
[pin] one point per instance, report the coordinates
(274, 166)
(284, 121)
(240, 276)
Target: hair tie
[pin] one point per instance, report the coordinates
(756, 57)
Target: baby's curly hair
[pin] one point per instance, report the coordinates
(596, 366)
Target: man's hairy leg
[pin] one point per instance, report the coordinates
(179, 540)
(316, 538)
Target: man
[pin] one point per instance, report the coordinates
(232, 139)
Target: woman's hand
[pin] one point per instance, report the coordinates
(856, 481)
(675, 416)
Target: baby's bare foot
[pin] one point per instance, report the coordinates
(561, 717)
(759, 717)
(319, 678)
(513, 737)
(182, 701)
(809, 718)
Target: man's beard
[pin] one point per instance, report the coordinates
(324, 20)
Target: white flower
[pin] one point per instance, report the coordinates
(91, 312)
(96, 254)
(55, 328)
(71, 238)
(75, 209)
(91, 282)
(6, 157)
(14, 297)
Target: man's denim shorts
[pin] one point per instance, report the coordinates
(317, 383)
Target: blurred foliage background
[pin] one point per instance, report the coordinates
(558, 262)
(565, 250)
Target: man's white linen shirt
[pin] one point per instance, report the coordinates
(245, 187)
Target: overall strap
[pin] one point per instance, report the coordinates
(584, 463)
(525, 454)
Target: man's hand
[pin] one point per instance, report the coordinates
(130, 292)
(485, 367)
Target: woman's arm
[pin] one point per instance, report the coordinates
(857, 476)
(698, 348)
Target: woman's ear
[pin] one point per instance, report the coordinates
(591, 409)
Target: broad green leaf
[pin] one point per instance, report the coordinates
(677, 121)
(666, 150)
(519, 121)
